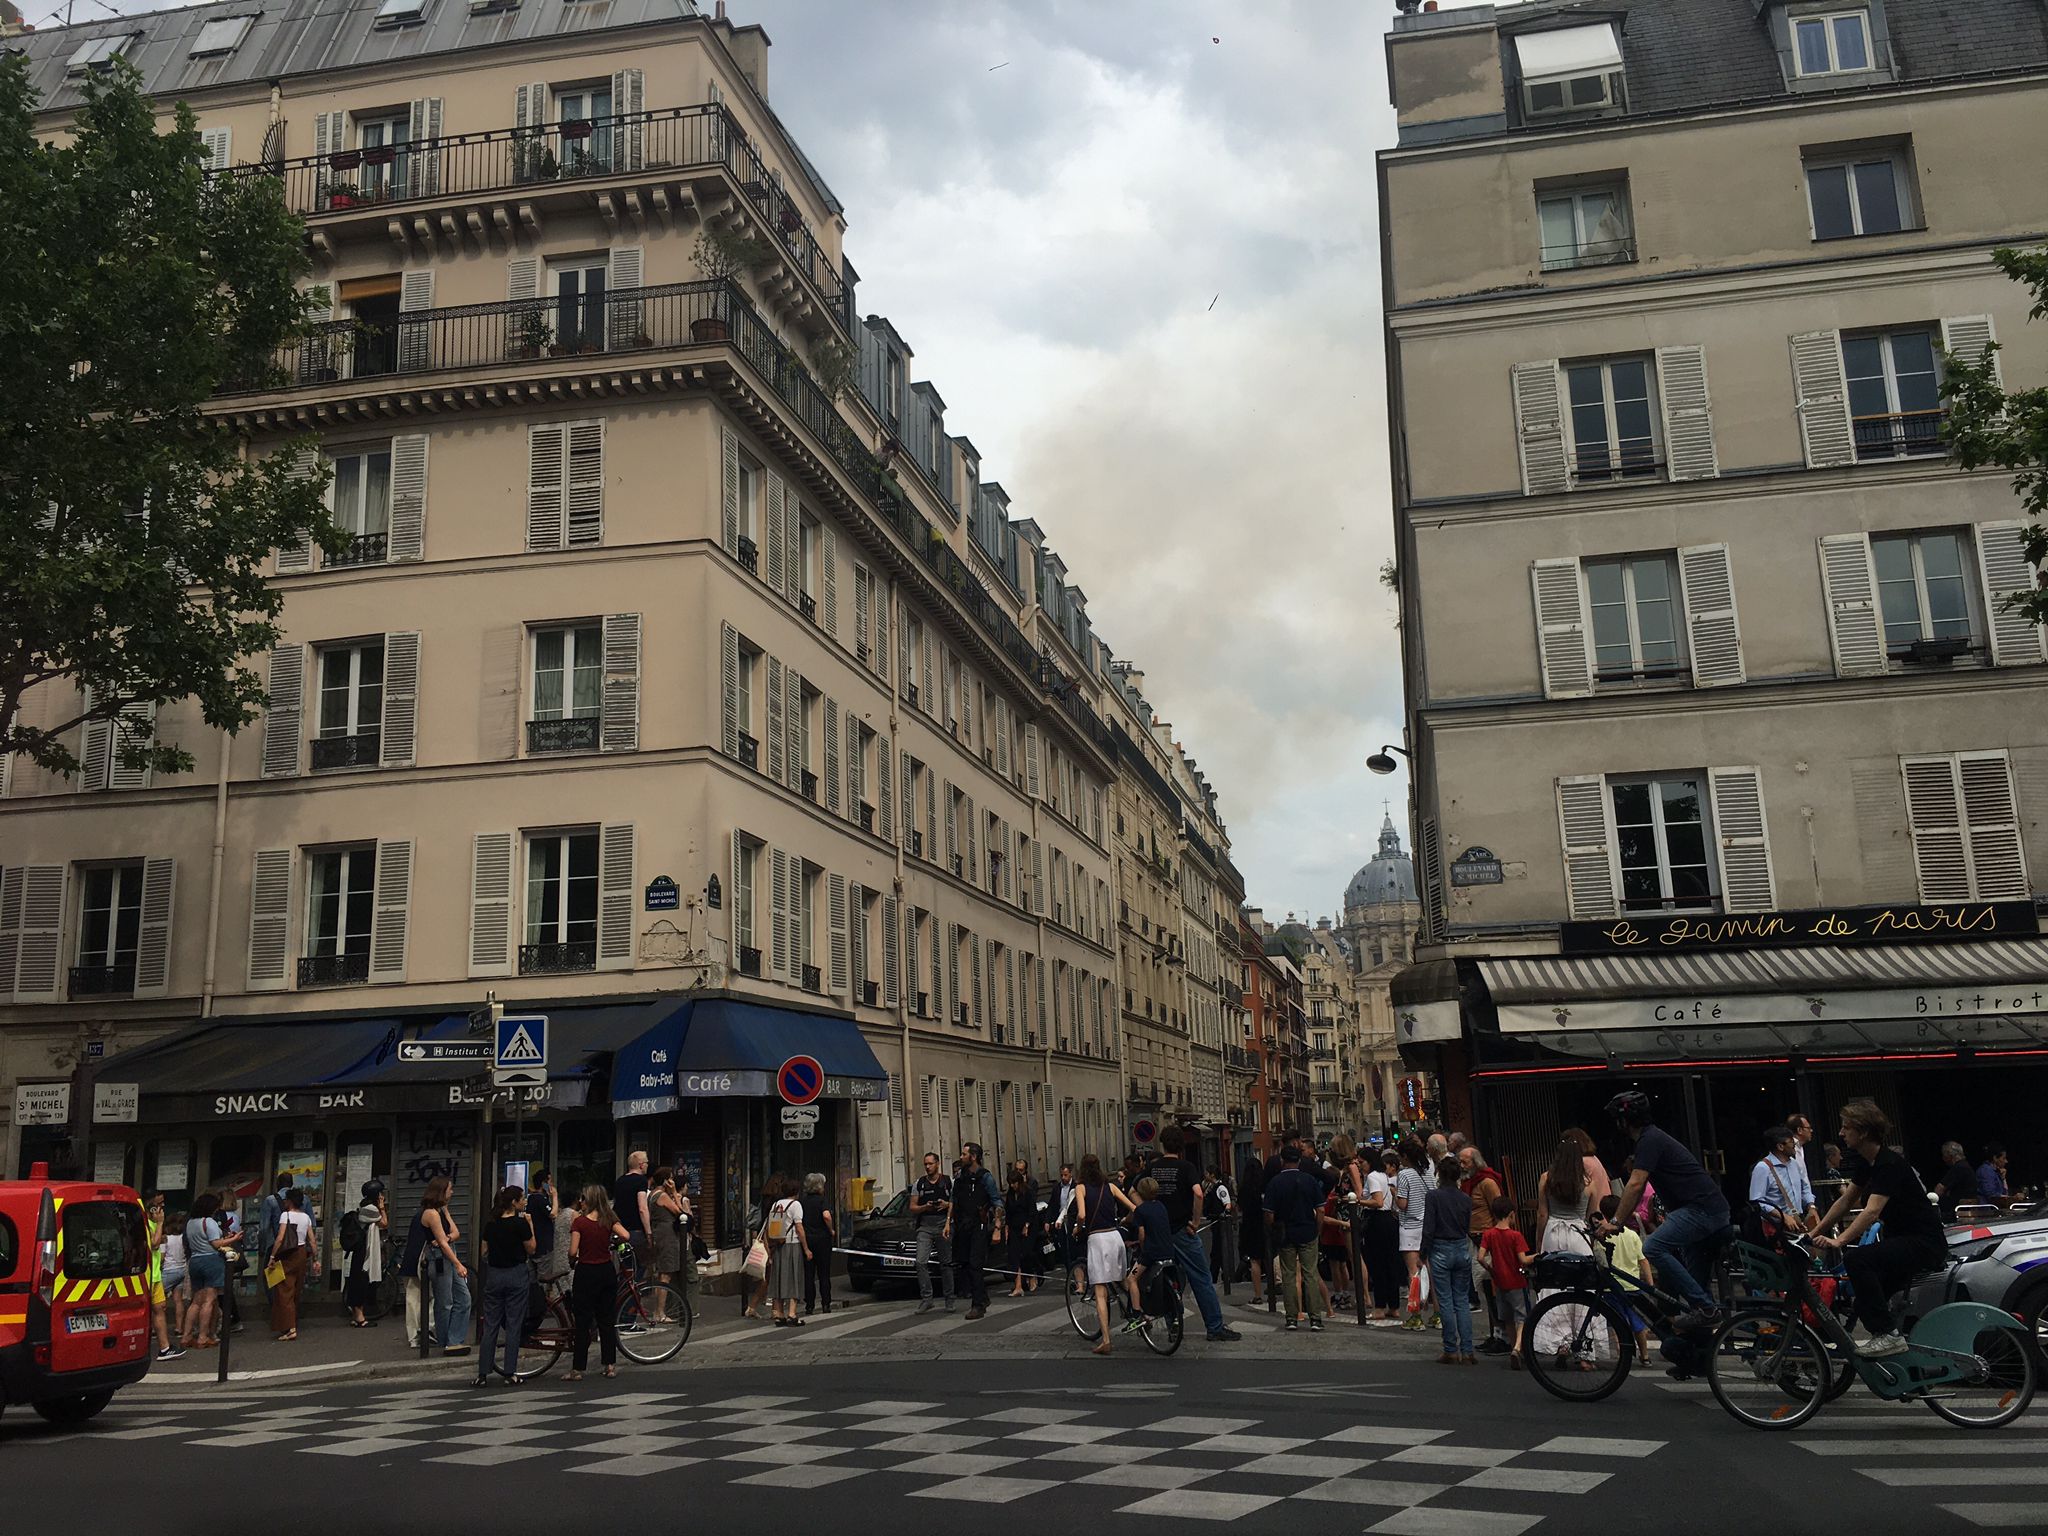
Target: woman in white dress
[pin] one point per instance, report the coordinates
(1563, 1217)
(1096, 1213)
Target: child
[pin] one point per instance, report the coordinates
(1507, 1259)
(1625, 1253)
(1155, 1233)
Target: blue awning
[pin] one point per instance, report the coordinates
(719, 1049)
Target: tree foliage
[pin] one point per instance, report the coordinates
(1989, 426)
(133, 525)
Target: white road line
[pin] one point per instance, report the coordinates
(2003, 1516)
(1944, 1446)
(1954, 1476)
(1576, 1445)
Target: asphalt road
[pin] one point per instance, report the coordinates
(1366, 1439)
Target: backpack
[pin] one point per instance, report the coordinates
(351, 1232)
(777, 1225)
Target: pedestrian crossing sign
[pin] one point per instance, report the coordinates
(522, 1041)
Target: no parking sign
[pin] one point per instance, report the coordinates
(800, 1080)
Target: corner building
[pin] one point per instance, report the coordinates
(719, 713)
(1728, 764)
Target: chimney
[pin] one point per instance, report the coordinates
(748, 46)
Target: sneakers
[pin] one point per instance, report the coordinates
(1315, 1325)
(925, 1305)
(1884, 1344)
(1698, 1317)
(1494, 1346)
(170, 1352)
(949, 1303)
(1134, 1325)
(1293, 1326)
(1225, 1335)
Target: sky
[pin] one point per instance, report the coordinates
(1134, 245)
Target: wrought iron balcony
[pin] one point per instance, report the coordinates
(750, 751)
(750, 553)
(334, 970)
(867, 817)
(924, 1004)
(360, 750)
(750, 960)
(870, 994)
(116, 980)
(810, 785)
(558, 959)
(574, 733)
(1590, 253)
(813, 981)
(916, 845)
(1905, 435)
(363, 549)
(808, 606)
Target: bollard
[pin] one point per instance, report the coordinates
(220, 1364)
(426, 1310)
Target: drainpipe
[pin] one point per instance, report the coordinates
(220, 833)
(1044, 975)
(913, 1116)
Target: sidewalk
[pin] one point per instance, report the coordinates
(327, 1349)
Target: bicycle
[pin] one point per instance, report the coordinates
(1972, 1364)
(653, 1325)
(1162, 1327)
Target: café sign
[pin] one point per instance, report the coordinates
(1832, 927)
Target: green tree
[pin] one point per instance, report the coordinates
(1993, 427)
(133, 525)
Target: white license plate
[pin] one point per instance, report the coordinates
(85, 1322)
(897, 1261)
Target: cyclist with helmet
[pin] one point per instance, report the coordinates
(1696, 1211)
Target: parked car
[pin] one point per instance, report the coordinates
(2002, 1261)
(882, 1250)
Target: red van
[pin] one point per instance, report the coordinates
(74, 1295)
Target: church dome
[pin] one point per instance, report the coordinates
(1388, 880)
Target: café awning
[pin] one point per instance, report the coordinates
(726, 1048)
(1553, 978)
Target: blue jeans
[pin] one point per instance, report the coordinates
(505, 1292)
(451, 1304)
(1673, 1248)
(1194, 1268)
(1450, 1277)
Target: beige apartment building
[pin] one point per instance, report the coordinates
(722, 715)
(1730, 771)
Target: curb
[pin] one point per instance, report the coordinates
(184, 1384)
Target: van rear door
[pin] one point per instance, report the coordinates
(99, 1307)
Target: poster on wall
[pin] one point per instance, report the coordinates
(174, 1165)
(306, 1161)
(109, 1162)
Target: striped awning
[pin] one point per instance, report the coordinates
(1568, 978)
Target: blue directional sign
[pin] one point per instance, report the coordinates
(522, 1049)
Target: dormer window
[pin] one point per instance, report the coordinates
(98, 52)
(1833, 43)
(1570, 71)
(223, 34)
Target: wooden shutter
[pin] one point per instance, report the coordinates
(1682, 396)
(1539, 427)
(778, 769)
(907, 683)
(547, 447)
(1010, 994)
(281, 721)
(863, 591)
(892, 954)
(729, 690)
(796, 748)
(828, 585)
(1934, 808)
(931, 821)
(530, 106)
(135, 725)
(153, 943)
(857, 936)
(95, 747)
(856, 769)
(1429, 864)
(776, 554)
(1002, 712)
(619, 729)
(2002, 566)
(1038, 877)
(615, 896)
(217, 143)
(938, 996)
(778, 914)
(1713, 633)
(1968, 338)
(270, 921)
(973, 847)
(415, 340)
(1591, 881)
(885, 790)
(625, 309)
(629, 101)
(401, 698)
(729, 480)
(952, 826)
(329, 138)
(793, 572)
(393, 896)
(585, 495)
(1031, 759)
(301, 463)
(1998, 863)
(830, 712)
(882, 599)
(39, 970)
(931, 702)
(836, 918)
(1822, 388)
(974, 970)
(408, 497)
(423, 149)
(1849, 587)
(11, 882)
(490, 904)
(1746, 881)
(1564, 630)
(953, 999)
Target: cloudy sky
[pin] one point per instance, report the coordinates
(1135, 247)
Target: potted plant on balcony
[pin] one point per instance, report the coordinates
(345, 159)
(380, 154)
(788, 219)
(343, 194)
(531, 333)
(835, 362)
(577, 128)
(721, 255)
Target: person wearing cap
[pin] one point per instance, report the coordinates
(366, 1263)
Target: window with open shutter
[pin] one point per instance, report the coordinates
(1563, 629)
(400, 699)
(2002, 566)
(585, 494)
(393, 892)
(1589, 870)
(1968, 338)
(281, 721)
(838, 943)
(153, 941)
(1707, 582)
(1747, 884)
(415, 337)
(547, 468)
(615, 893)
(270, 911)
(620, 721)
(1849, 588)
(1689, 451)
(1965, 820)
(1821, 387)
(892, 953)
(830, 711)
(1539, 428)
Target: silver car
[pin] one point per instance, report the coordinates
(2002, 1261)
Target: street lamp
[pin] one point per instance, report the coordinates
(1382, 764)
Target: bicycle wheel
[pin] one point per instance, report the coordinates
(539, 1350)
(1163, 1333)
(1769, 1371)
(654, 1323)
(1578, 1346)
(2002, 1393)
(1081, 1309)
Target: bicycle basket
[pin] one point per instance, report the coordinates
(1566, 1271)
(1763, 1269)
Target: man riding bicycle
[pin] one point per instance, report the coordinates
(1890, 1190)
(1695, 1209)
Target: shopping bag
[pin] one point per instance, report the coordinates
(757, 1260)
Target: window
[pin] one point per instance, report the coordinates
(340, 902)
(1894, 394)
(103, 1240)
(221, 35)
(743, 693)
(568, 689)
(351, 722)
(750, 491)
(98, 52)
(584, 113)
(1859, 194)
(1586, 227)
(808, 539)
(1570, 70)
(397, 13)
(1661, 834)
(359, 497)
(1612, 419)
(1923, 590)
(382, 139)
(745, 857)
(1833, 44)
(1634, 604)
(1966, 827)
(579, 285)
(561, 904)
(892, 387)
(110, 922)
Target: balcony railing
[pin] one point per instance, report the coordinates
(558, 959)
(1589, 253)
(363, 549)
(867, 817)
(361, 750)
(576, 733)
(1905, 435)
(870, 994)
(750, 751)
(810, 783)
(102, 980)
(750, 960)
(333, 970)
(813, 979)
(750, 553)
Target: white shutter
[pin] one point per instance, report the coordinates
(329, 138)
(952, 827)
(393, 896)
(931, 824)
(973, 847)
(856, 770)
(729, 479)
(1031, 759)
(777, 555)
(95, 747)
(423, 147)
(625, 318)
(938, 996)
(796, 744)
(863, 589)
(1429, 857)
(281, 721)
(1713, 633)
(2002, 566)
(415, 341)
(153, 943)
(530, 106)
(1003, 737)
(137, 725)
(729, 690)
(546, 479)
(856, 938)
(882, 600)
(778, 769)
(1038, 877)
(1998, 864)
(1689, 452)
(629, 101)
(1968, 338)
(892, 954)
(1934, 808)
(830, 712)
(584, 498)
(38, 972)
(828, 586)
(301, 463)
(1010, 995)
(1849, 587)
(1591, 880)
(522, 278)
(1539, 427)
(952, 973)
(216, 144)
(11, 881)
(836, 979)
(270, 921)
(778, 915)
(1746, 881)
(930, 698)
(1822, 389)
(408, 497)
(401, 698)
(1564, 629)
(619, 729)
(781, 497)
(974, 969)
(885, 790)
(490, 905)
(615, 896)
